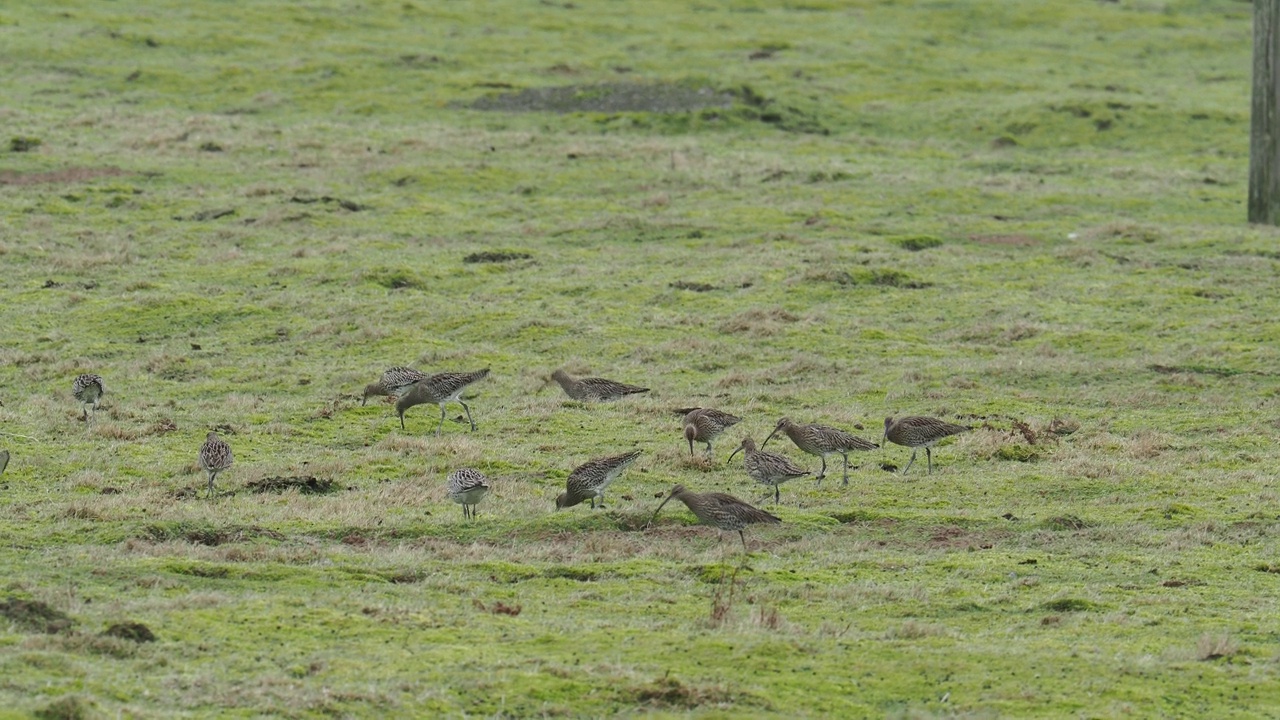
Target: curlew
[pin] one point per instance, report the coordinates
(89, 390)
(594, 388)
(705, 424)
(822, 441)
(720, 511)
(918, 431)
(395, 382)
(215, 456)
(440, 389)
(467, 487)
(589, 480)
(767, 468)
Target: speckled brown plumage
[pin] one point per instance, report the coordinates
(822, 441)
(440, 389)
(467, 486)
(215, 456)
(88, 389)
(705, 424)
(768, 468)
(918, 431)
(395, 382)
(720, 511)
(589, 480)
(594, 388)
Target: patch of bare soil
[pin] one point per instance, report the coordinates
(65, 176)
(35, 616)
(305, 484)
(608, 98)
(135, 631)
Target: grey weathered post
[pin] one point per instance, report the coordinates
(1264, 143)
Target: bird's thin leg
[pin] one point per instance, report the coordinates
(401, 419)
(913, 459)
(823, 472)
(928, 453)
(708, 450)
(744, 540)
(777, 494)
(441, 425)
(468, 409)
(846, 470)
(212, 475)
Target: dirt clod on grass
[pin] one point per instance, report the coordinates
(35, 616)
(208, 535)
(670, 692)
(135, 631)
(57, 177)
(1066, 522)
(495, 257)
(69, 707)
(692, 286)
(344, 204)
(608, 98)
(305, 484)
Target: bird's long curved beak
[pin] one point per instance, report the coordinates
(655, 512)
(735, 452)
(766, 440)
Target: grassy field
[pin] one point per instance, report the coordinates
(1027, 217)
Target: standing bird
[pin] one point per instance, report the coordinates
(720, 511)
(594, 388)
(88, 390)
(705, 424)
(395, 381)
(440, 389)
(822, 441)
(917, 431)
(4, 460)
(467, 487)
(215, 456)
(767, 468)
(588, 481)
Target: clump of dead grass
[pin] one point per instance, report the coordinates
(759, 322)
(1213, 646)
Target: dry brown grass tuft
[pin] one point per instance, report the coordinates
(759, 322)
(1148, 444)
(913, 630)
(1212, 647)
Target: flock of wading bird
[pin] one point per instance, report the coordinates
(587, 482)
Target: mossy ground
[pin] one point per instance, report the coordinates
(1025, 216)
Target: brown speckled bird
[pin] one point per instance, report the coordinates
(588, 481)
(440, 389)
(215, 456)
(720, 511)
(705, 424)
(594, 388)
(768, 468)
(395, 382)
(467, 486)
(918, 431)
(822, 441)
(88, 389)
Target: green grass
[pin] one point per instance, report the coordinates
(1028, 217)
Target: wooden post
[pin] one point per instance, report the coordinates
(1264, 142)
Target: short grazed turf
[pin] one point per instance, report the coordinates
(1026, 217)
